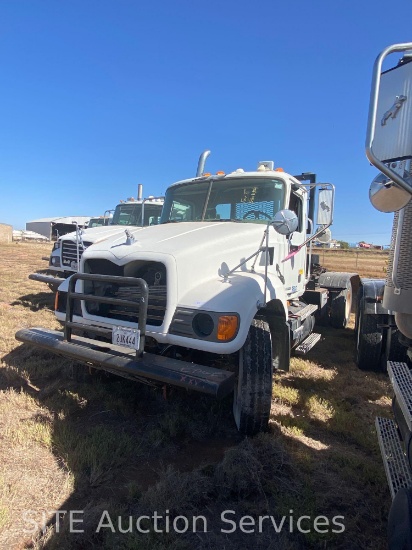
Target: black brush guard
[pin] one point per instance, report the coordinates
(123, 361)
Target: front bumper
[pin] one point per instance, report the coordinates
(111, 358)
(135, 364)
(45, 277)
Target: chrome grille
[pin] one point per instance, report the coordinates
(156, 308)
(69, 252)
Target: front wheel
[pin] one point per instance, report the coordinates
(253, 391)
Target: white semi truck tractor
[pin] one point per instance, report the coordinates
(384, 320)
(215, 297)
(67, 250)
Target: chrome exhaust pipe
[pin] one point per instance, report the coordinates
(201, 163)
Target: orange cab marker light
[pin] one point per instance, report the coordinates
(227, 327)
(56, 301)
(220, 173)
(206, 174)
(279, 170)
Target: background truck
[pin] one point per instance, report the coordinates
(384, 321)
(68, 249)
(215, 297)
(99, 221)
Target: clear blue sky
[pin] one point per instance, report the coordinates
(98, 96)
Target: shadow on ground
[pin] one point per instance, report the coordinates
(134, 453)
(35, 302)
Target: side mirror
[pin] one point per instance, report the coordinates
(325, 207)
(285, 222)
(325, 236)
(385, 196)
(388, 139)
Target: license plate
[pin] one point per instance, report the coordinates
(126, 337)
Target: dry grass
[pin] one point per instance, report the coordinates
(368, 263)
(108, 444)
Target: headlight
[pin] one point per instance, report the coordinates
(203, 324)
(212, 326)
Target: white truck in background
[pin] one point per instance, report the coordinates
(99, 221)
(68, 249)
(384, 320)
(215, 297)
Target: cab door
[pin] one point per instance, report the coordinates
(295, 267)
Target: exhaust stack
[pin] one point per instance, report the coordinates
(139, 192)
(201, 163)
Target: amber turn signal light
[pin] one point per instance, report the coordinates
(227, 327)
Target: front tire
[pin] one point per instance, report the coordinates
(253, 392)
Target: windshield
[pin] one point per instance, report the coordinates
(131, 214)
(97, 222)
(244, 199)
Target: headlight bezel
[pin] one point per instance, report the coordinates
(185, 322)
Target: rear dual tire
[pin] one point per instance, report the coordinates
(368, 339)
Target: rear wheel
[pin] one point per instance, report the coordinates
(368, 340)
(340, 308)
(253, 390)
(358, 305)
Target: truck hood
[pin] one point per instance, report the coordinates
(198, 246)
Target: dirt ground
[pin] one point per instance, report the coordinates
(109, 449)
